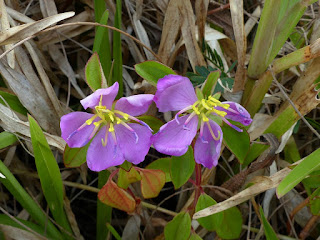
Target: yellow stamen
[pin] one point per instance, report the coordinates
(195, 109)
(111, 128)
(204, 117)
(212, 134)
(89, 121)
(204, 104)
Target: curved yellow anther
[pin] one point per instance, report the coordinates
(204, 104)
(90, 120)
(204, 118)
(195, 109)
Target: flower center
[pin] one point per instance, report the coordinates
(204, 107)
(109, 118)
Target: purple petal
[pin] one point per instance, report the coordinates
(101, 157)
(173, 138)
(207, 149)
(134, 146)
(236, 113)
(134, 105)
(108, 96)
(174, 93)
(70, 123)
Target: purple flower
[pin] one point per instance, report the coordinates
(115, 138)
(176, 93)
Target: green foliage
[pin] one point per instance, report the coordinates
(178, 228)
(13, 102)
(7, 139)
(230, 226)
(308, 165)
(113, 231)
(152, 71)
(75, 157)
(315, 202)
(162, 164)
(268, 230)
(211, 222)
(94, 74)
(103, 211)
(20, 194)
(237, 142)
(49, 174)
(211, 81)
(101, 43)
(182, 168)
(117, 51)
(203, 73)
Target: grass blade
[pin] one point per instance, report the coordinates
(49, 174)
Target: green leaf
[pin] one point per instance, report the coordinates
(254, 152)
(153, 122)
(268, 230)
(6, 220)
(126, 166)
(182, 168)
(152, 71)
(20, 194)
(178, 228)
(315, 202)
(94, 73)
(127, 177)
(237, 142)
(162, 164)
(49, 174)
(308, 165)
(117, 51)
(231, 225)
(195, 236)
(7, 139)
(103, 211)
(101, 43)
(113, 231)
(208, 86)
(75, 157)
(211, 222)
(13, 102)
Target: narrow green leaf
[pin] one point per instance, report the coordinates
(237, 142)
(195, 236)
(178, 228)
(208, 86)
(211, 222)
(7, 139)
(268, 230)
(75, 157)
(152, 71)
(94, 73)
(182, 168)
(101, 43)
(103, 211)
(162, 164)
(49, 174)
(13, 102)
(231, 225)
(14, 187)
(113, 231)
(315, 202)
(117, 50)
(99, 8)
(308, 165)
(6, 220)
